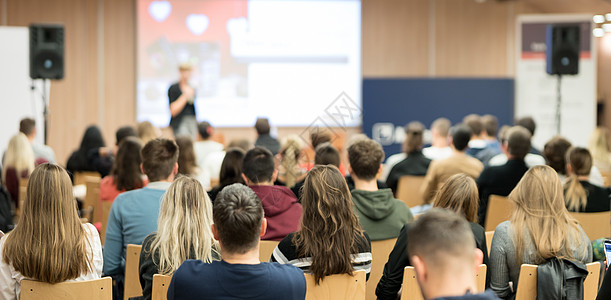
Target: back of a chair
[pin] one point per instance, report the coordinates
(499, 210)
(337, 287)
(99, 289)
(527, 282)
(80, 177)
(590, 285)
(132, 278)
(160, 286)
(411, 289)
(596, 225)
(106, 205)
(408, 190)
(489, 236)
(92, 198)
(266, 248)
(606, 178)
(380, 250)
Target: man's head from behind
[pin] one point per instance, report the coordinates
(258, 166)
(124, 132)
(205, 130)
(28, 127)
(262, 126)
(461, 135)
(518, 142)
(474, 122)
(442, 249)
(160, 159)
(238, 219)
(365, 157)
(491, 126)
(528, 123)
(326, 154)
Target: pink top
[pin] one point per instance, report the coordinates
(108, 188)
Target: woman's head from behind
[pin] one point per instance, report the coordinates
(184, 223)
(186, 156)
(146, 132)
(599, 144)
(578, 165)
(126, 168)
(290, 152)
(554, 152)
(92, 139)
(578, 161)
(231, 168)
(18, 155)
(459, 194)
(414, 136)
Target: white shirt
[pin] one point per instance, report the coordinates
(212, 168)
(530, 159)
(434, 153)
(391, 161)
(10, 279)
(203, 149)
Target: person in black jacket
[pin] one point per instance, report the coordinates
(78, 161)
(579, 194)
(415, 164)
(500, 180)
(458, 194)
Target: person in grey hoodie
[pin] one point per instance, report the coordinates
(380, 214)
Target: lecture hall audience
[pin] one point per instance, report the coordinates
(529, 123)
(147, 132)
(415, 163)
(125, 174)
(18, 164)
(580, 195)
(78, 161)
(231, 171)
(440, 140)
(42, 152)
(530, 159)
(187, 162)
(204, 144)
(555, 151)
(102, 158)
(264, 139)
(289, 166)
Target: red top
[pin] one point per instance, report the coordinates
(12, 183)
(281, 209)
(108, 188)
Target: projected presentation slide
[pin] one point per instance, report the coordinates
(285, 60)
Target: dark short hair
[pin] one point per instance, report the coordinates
(474, 122)
(124, 132)
(237, 215)
(365, 157)
(158, 158)
(554, 152)
(439, 234)
(518, 141)
(262, 126)
(326, 154)
(27, 126)
(461, 135)
(491, 124)
(205, 130)
(528, 123)
(258, 165)
(414, 136)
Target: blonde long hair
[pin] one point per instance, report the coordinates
(290, 151)
(183, 227)
(539, 208)
(19, 155)
(459, 194)
(50, 244)
(598, 144)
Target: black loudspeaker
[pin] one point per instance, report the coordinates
(46, 51)
(562, 53)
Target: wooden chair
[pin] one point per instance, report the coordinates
(80, 177)
(499, 210)
(527, 282)
(411, 289)
(92, 198)
(595, 225)
(106, 205)
(606, 178)
(408, 190)
(266, 248)
(489, 236)
(160, 286)
(337, 287)
(380, 250)
(99, 289)
(132, 279)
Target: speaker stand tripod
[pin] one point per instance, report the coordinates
(45, 110)
(558, 103)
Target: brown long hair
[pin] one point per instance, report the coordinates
(50, 244)
(187, 164)
(539, 208)
(126, 168)
(328, 224)
(459, 194)
(580, 161)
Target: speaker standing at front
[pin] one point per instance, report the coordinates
(563, 46)
(46, 51)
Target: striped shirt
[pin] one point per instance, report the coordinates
(288, 253)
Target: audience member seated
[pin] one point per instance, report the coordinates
(554, 152)
(78, 161)
(324, 154)
(330, 240)
(289, 166)
(42, 152)
(444, 254)
(539, 228)
(18, 164)
(598, 145)
(379, 213)
(102, 158)
(440, 170)
(231, 171)
(529, 123)
(238, 225)
(183, 232)
(6, 211)
(530, 159)
(187, 164)
(279, 203)
(205, 145)
(459, 194)
(415, 163)
(477, 142)
(264, 139)
(500, 180)
(147, 132)
(126, 174)
(493, 148)
(319, 136)
(214, 160)
(580, 195)
(50, 244)
(134, 214)
(440, 144)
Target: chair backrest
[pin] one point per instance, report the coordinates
(596, 225)
(380, 250)
(337, 287)
(160, 286)
(408, 190)
(411, 289)
(99, 289)
(606, 178)
(92, 198)
(499, 211)
(489, 236)
(79, 177)
(266, 248)
(132, 279)
(106, 205)
(527, 282)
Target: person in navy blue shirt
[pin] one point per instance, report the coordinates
(238, 226)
